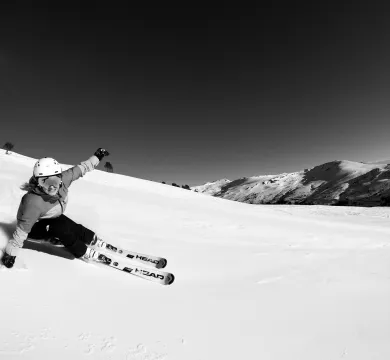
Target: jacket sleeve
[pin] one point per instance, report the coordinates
(78, 171)
(28, 214)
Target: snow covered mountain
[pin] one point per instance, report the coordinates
(212, 187)
(252, 282)
(336, 183)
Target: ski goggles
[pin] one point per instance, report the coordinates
(46, 181)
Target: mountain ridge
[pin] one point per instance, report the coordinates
(338, 182)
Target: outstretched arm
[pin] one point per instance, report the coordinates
(80, 170)
(91, 163)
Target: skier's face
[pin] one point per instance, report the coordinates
(50, 184)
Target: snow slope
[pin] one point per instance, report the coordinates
(337, 183)
(252, 282)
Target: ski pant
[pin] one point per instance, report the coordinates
(75, 237)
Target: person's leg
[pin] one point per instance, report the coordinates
(39, 230)
(75, 237)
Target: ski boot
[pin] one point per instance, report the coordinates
(90, 255)
(97, 243)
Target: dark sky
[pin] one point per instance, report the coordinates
(194, 94)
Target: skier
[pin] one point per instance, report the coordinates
(41, 210)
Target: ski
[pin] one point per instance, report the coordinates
(160, 277)
(149, 260)
(51, 245)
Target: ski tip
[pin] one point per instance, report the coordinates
(169, 279)
(162, 263)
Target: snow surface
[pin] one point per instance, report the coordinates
(252, 282)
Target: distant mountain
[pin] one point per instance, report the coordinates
(212, 187)
(333, 183)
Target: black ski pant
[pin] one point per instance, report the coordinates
(75, 237)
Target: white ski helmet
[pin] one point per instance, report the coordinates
(47, 167)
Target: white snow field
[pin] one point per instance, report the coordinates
(261, 282)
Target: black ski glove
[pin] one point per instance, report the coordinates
(8, 260)
(101, 153)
